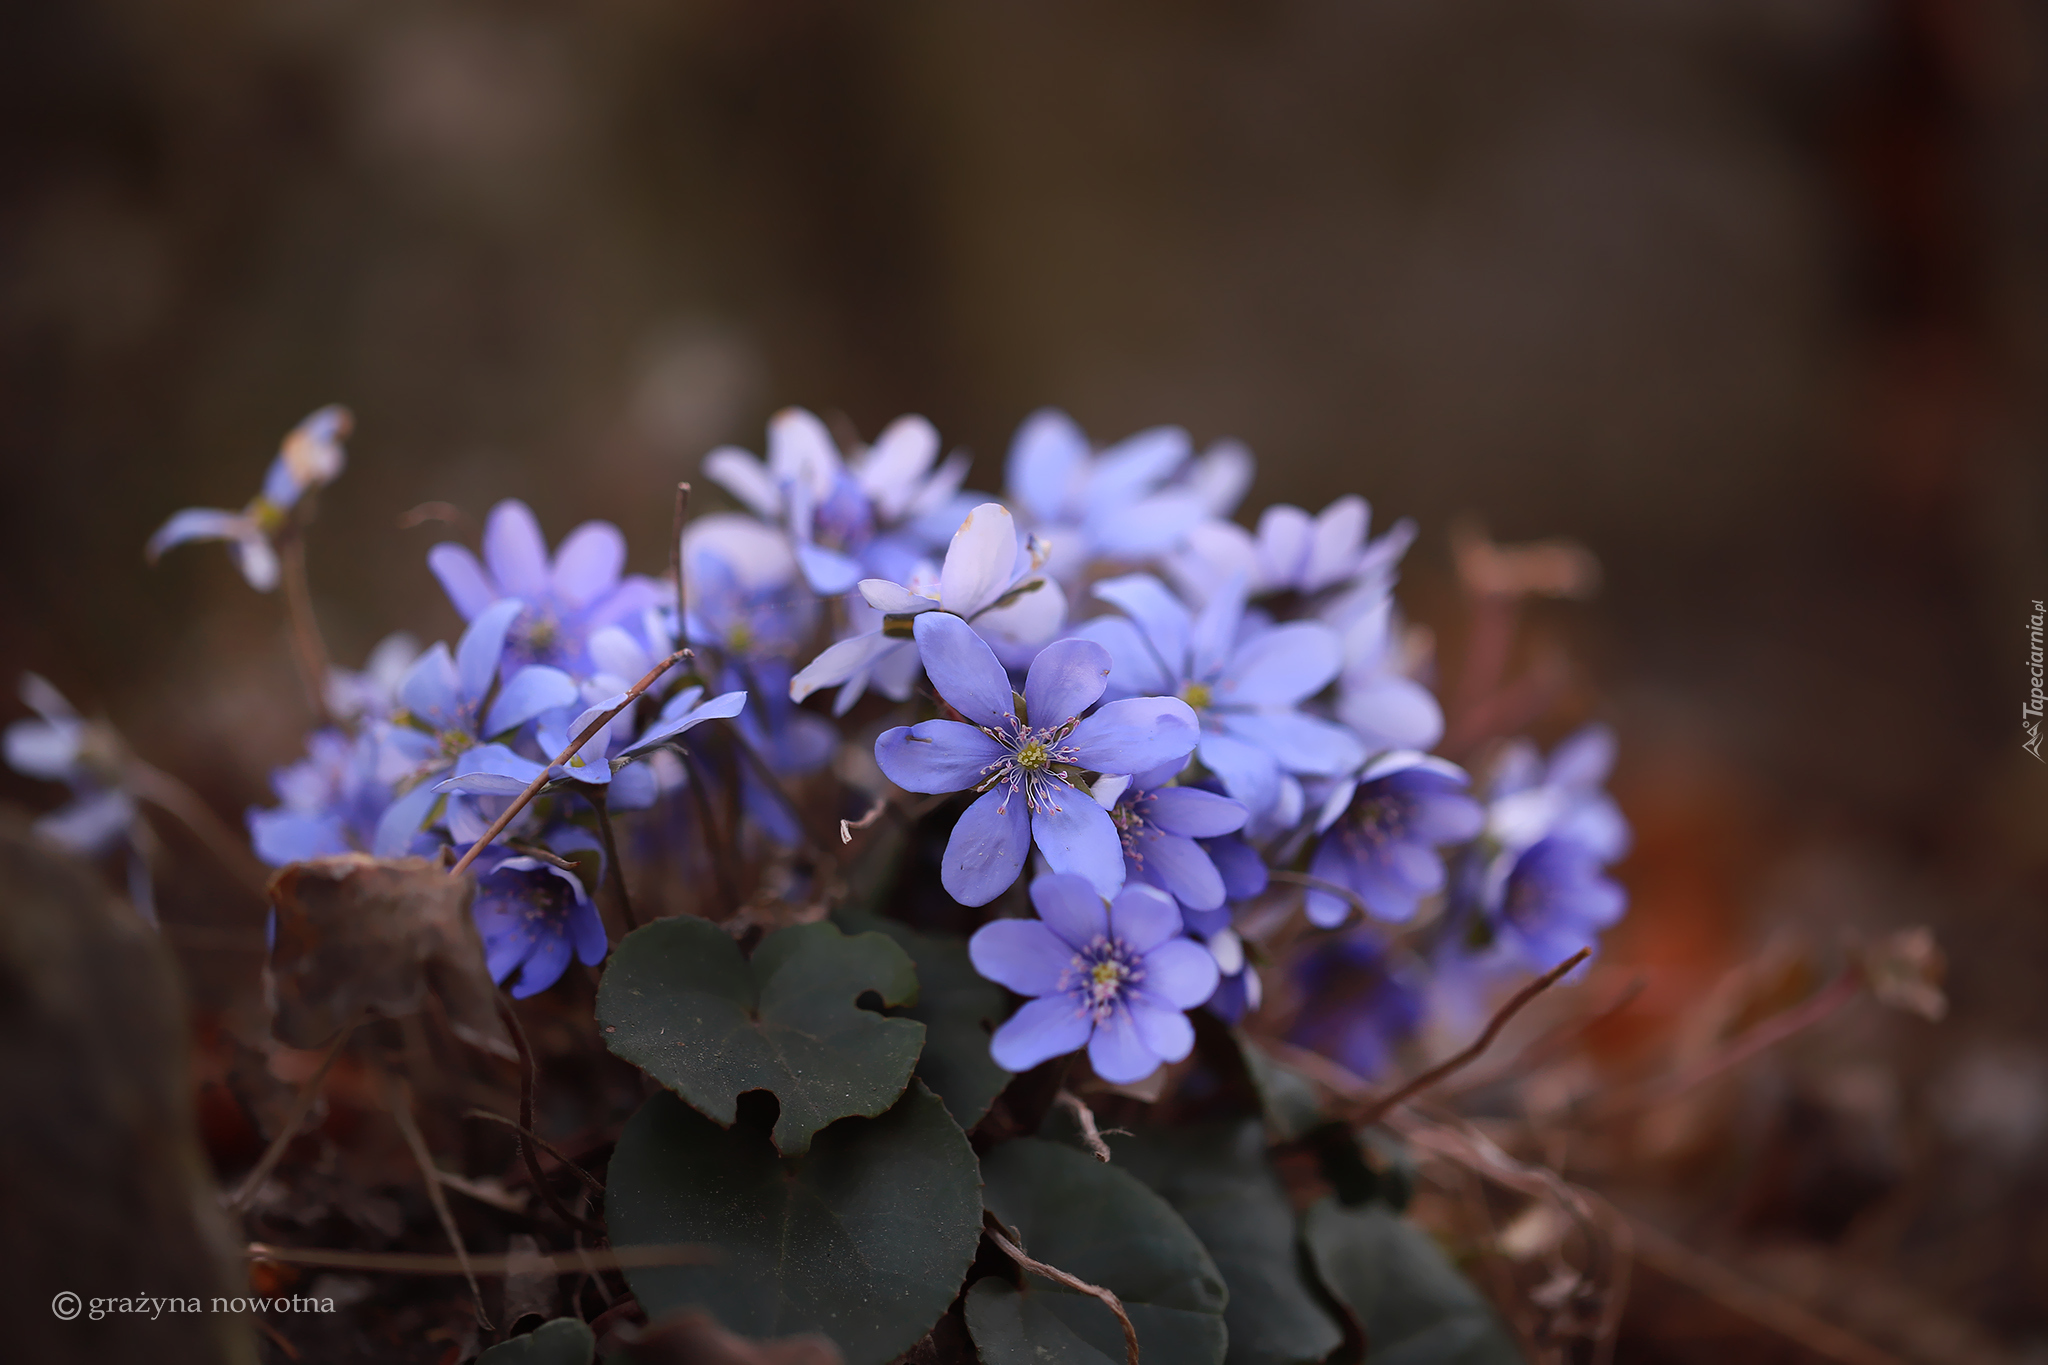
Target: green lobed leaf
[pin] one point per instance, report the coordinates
(680, 1002)
(1415, 1307)
(865, 1239)
(958, 1007)
(1101, 1224)
(1217, 1178)
(559, 1341)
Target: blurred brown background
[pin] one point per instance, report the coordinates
(1748, 295)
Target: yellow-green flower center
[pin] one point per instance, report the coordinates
(1197, 695)
(1106, 973)
(1033, 755)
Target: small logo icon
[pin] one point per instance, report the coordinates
(66, 1305)
(2033, 744)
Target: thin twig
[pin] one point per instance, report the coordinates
(714, 838)
(997, 1234)
(535, 851)
(424, 1263)
(152, 784)
(847, 827)
(1322, 884)
(308, 649)
(1788, 1319)
(398, 1099)
(1373, 1111)
(596, 1185)
(483, 1194)
(1553, 1041)
(301, 1106)
(616, 870)
(527, 1082)
(1091, 1136)
(675, 556)
(574, 746)
(1739, 1049)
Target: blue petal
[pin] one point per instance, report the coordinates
(937, 756)
(1117, 1053)
(516, 551)
(477, 653)
(1020, 953)
(586, 930)
(90, 825)
(1147, 528)
(840, 662)
(1049, 1027)
(964, 669)
(1076, 835)
(1282, 666)
(542, 970)
(1214, 636)
(1161, 1028)
(587, 564)
(1134, 670)
(1158, 613)
(1180, 865)
(827, 571)
(987, 848)
(1133, 735)
(462, 578)
(1135, 465)
(980, 560)
(1248, 772)
(1071, 907)
(1299, 743)
(197, 523)
(1045, 455)
(430, 689)
(1065, 679)
(530, 691)
(1194, 812)
(1143, 917)
(401, 820)
(1180, 972)
(1239, 864)
(724, 706)
(481, 784)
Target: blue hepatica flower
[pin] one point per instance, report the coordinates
(565, 598)
(847, 522)
(310, 458)
(1136, 500)
(1246, 685)
(1357, 1008)
(1385, 707)
(452, 706)
(329, 802)
(101, 817)
(1381, 832)
(1160, 826)
(744, 592)
(1026, 765)
(1013, 607)
(1555, 830)
(533, 917)
(1291, 552)
(1113, 977)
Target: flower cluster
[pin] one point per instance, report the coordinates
(1173, 730)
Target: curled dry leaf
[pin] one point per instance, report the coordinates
(359, 936)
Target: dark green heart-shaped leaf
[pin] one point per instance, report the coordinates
(560, 1341)
(1286, 1097)
(959, 1008)
(680, 1002)
(1415, 1306)
(1217, 1178)
(1102, 1225)
(866, 1240)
